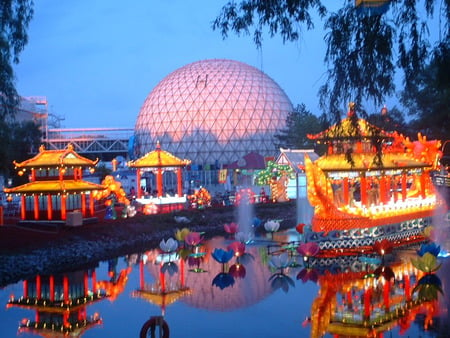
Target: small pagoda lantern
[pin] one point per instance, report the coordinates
(158, 161)
(56, 185)
(60, 302)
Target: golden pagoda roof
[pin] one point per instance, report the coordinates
(364, 161)
(56, 158)
(347, 129)
(54, 187)
(158, 158)
(163, 298)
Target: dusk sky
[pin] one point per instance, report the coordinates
(96, 61)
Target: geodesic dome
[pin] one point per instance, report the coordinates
(213, 111)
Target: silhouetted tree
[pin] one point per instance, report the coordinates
(429, 101)
(20, 141)
(15, 16)
(299, 123)
(364, 48)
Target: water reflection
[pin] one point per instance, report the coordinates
(362, 296)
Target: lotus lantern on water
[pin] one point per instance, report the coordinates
(193, 238)
(231, 228)
(169, 245)
(272, 226)
(222, 256)
(237, 247)
(280, 261)
(180, 235)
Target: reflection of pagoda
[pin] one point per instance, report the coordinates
(60, 302)
(56, 186)
(244, 293)
(368, 303)
(371, 185)
(168, 289)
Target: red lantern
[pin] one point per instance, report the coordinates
(300, 227)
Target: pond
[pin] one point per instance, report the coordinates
(266, 291)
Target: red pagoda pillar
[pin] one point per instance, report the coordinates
(83, 204)
(386, 294)
(63, 206)
(382, 186)
(91, 204)
(38, 287)
(22, 207)
(179, 182)
(36, 206)
(66, 289)
(138, 183)
(407, 286)
(141, 274)
(363, 190)
(367, 302)
(86, 283)
(94, 282)
(51, 286)
(25, 289)
(49, 207)
(159, 185)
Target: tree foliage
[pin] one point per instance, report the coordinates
(15, 16)
(364, 49)
(429, 100)
(299, 123)
(20, 141)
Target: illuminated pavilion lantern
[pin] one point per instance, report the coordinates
(167, 289)
(60, 302)
(158, 161)
(56, 185)
(368, 179)
(362, 304)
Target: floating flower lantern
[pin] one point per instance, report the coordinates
(280, 261)
(193, 238)
(428, 287)
(272, 226)
(194, 260)
(244, 237)
(237, 247)
(307, 250)
(281, 281)
(223, 280)
(237, 270)
(222, 256)
(308, 275)
(300, 227)
(427, 263)
(180, 235)
(169, 267)
(169, 245)
(431, 248)
(231, 228)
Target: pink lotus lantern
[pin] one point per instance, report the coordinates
(237, 247)
(193, 238)
(231, 228)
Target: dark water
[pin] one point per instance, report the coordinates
(199, 297)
